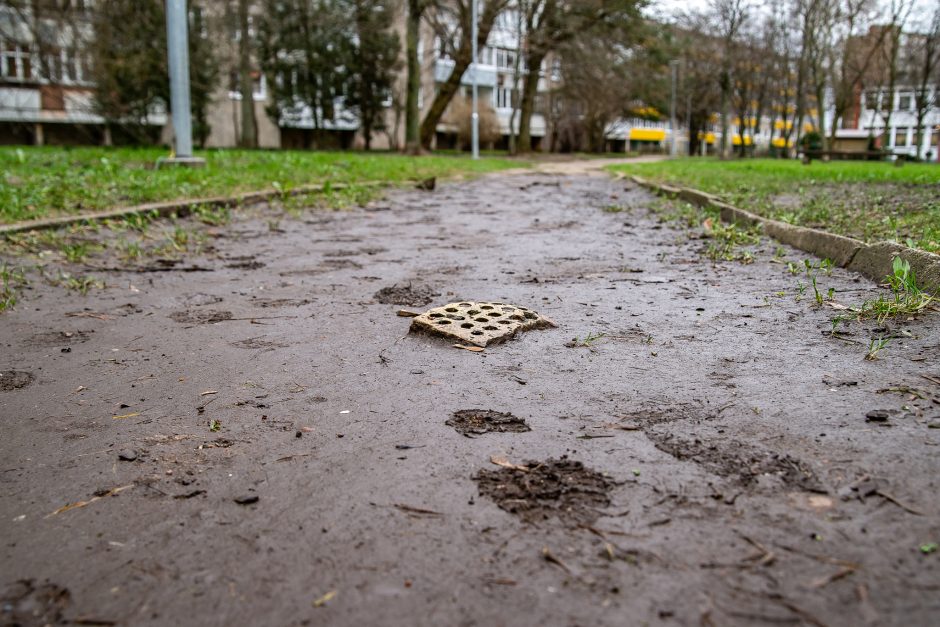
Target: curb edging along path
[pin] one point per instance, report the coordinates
(181, 208)
(873, 261)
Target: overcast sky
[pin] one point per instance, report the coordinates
(668, 8)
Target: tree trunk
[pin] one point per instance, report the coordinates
(464, 58)
(723, 147)
(514, 94)
(445, 94)
(529, 89)
(413, 17)
(249, 127)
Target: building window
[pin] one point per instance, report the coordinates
(871, 100)
(16, 63)
(504, 98)
(900, 137)
(904, 102)
(505, 59)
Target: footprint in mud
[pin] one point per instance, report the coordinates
(257, 342)
(327, 265)
(246, 265)
(200, 316)
(657, 414)
(50, 339)
(554, 488)
(199, 299)
(407, 295)
(14, 380)
(27, 603)
(739, 461)
(279, 302)
(348, 252)
(471, 422)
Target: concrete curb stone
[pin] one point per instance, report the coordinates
(181, 208)
(873, 261)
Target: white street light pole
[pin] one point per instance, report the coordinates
(475, 116)
(674, 66)
(177, 43)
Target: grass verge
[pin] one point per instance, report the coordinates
(871, 201)
(40, 182)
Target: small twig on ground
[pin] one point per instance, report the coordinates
(906, 508)
(416, 510)
(766, 556)
(822, 582)
(551, 559)
(78, 504)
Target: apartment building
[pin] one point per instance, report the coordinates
(45, 78)
(46, 85)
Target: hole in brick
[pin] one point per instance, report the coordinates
(467, 325)
(443, 322)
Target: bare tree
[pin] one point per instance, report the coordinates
(923, 65)
(853, 55)
(899, 12)
(729, 17)
(413, 14)
(248, 137)
(452, 24)
(551, 23)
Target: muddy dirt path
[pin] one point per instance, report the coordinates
(262, 443)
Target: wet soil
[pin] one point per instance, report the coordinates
(292, 465)
(26, 603)
(200, 316)
(554, 488)
(14, 380)
(472, 422)
(408, 295)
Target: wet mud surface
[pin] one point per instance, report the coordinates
(411, 295)
(471, 422)
(249, 436)
(554, 488)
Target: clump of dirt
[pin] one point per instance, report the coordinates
(471, 422)
(280, 302)
(246, 265)
(662, 414)
(26, 603)
(739, 461)
(555, 488)
(200, 300)
(407, 295)
(58, 338)
(200, 316)
(257, 342)
(327, 265)
(14, 380)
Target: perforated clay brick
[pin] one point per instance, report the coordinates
(479, 323)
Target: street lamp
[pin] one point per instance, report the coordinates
(674, 67)
(177, 43)
(475, 116)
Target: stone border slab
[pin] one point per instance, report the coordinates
(873, 261)
(181, 208)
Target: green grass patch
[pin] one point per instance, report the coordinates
(39, 182)
(870, 201)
